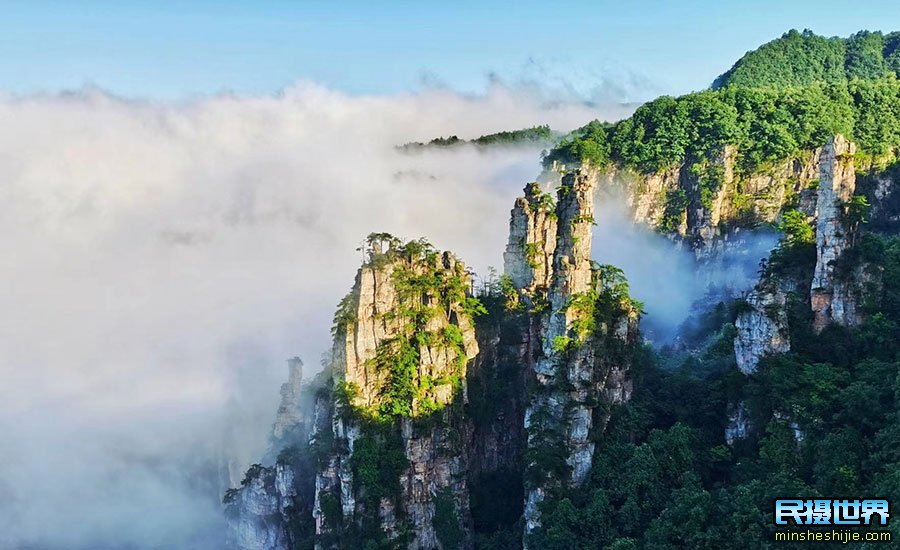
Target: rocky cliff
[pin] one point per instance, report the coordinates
(829, 295)
(403, 340)
(293, 412)
(701, 203)
(762, 327)
(834, 294)
(394, 448)
(581, 329)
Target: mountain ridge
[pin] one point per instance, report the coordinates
(528, 412)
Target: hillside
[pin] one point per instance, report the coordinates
(701, 164)
(802, 58)
(528, 411)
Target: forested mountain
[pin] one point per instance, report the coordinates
(802, 58)
(527, 409)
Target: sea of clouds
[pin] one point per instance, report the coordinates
(162, 260)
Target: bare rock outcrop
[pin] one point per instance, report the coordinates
(830, 297)
(403, 340)
(528, 259)
(571, 378)
(258, 512)
(290, 415)
(700, 202)
(762, 328)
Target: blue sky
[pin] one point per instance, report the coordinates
(631, 50)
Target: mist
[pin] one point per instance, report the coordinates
(666, 276)
(164, 259)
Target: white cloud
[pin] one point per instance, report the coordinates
(162, 260)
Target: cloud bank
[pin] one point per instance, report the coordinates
(162, 260)
(665, 276)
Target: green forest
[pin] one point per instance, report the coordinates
(541, 135)
(766, 125)
(802, 58)
(820, 421)
(828, 417)
(788, 96)
(825, 417)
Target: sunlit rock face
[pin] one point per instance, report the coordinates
(679, 202)
(762, 329)
(404, 322)
(571, 375)
(403, 339)
(830, 297)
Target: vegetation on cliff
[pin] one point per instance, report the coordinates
(821, 420)
(427, 287)
(824, 422)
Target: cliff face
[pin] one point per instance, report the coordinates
(572, 370)
(834, 296)
(394, 447)
(703, 202)
(830, 297)
(762, 328)
(831, 288)
(403, 341)
(292, 415)
(528, 259)
(259, 512)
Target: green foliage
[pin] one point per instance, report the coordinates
(797, 250)
(613, 298)
(588, 144)
(534, 135)
(345, 393)
(446, 520)
(378, 460)
(545, 457)
(676, 203)
(255, 471)
(230, 496)
(877, 117)
(856, 211)
(429, 286)
(823, 421)
(533, 253)
(345, 314)
(798, 59)
(331, 509)
(496, 500)
(445, 141)
(400, 358)
(562, 344)
(764, 124)
(797, 228)
(865, 56)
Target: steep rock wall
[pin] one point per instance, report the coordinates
(400, 354)
(762, 328)
(702, 207)
(570, 378)
(829, 296)
(291, 417)
(258, 513)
